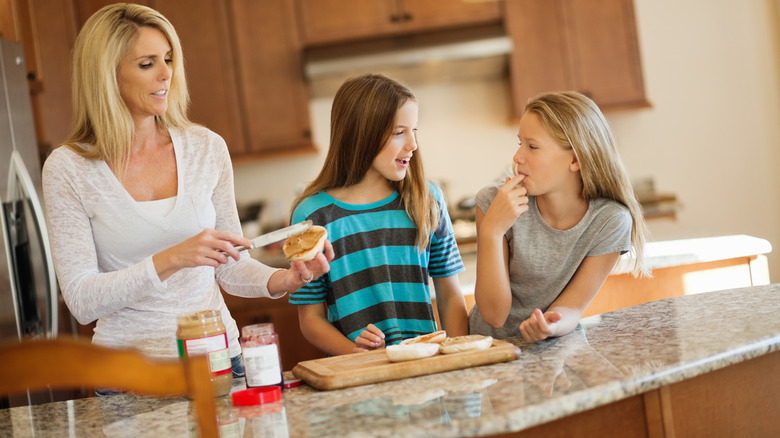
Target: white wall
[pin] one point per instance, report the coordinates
(711, 137)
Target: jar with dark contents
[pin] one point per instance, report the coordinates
(262, 358)
(203, 333)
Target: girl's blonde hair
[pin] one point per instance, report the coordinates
(576, 123)
(102, 120)
(362, 119)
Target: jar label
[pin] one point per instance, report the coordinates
(262, 365)
(216, 347)
(219, 362)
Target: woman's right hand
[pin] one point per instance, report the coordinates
(510, 203)
(207, 248)
(370, 339)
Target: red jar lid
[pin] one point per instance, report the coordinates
(257, 396)
(291, 383)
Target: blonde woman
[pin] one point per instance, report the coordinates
(389, 227)
(549, 236)
(140, 201)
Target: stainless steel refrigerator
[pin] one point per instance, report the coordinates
(28, 288)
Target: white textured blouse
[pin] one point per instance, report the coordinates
(103, 241)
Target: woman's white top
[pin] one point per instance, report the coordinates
(158, 207)
(103, 241)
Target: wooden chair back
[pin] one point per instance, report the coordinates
(65, 363)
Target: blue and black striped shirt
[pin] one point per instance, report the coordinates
(378, 276)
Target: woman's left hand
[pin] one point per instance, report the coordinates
(539, 326)
(301, 273)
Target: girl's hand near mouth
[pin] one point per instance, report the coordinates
(510, 203)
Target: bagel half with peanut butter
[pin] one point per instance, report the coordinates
(416, 348)
(430, 338)
(305, 245)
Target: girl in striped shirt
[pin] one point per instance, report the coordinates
(389, 228)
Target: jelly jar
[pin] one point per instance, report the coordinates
(262, 358)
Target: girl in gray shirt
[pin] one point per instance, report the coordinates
(549, 236)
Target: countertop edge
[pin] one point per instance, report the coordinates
(669, 253)
(597, 396)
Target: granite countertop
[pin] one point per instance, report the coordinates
(608, 358)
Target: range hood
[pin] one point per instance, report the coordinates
(410, 62)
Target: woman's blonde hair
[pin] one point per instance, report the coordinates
(576, 123)
(362, 119)
(102, 120)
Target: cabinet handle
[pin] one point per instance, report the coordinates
(407, 16)
(395, 18)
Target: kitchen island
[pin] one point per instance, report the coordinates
(679, 267)
(693, 365)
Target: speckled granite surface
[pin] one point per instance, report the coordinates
(608, 358)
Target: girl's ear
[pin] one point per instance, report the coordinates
(574, 166)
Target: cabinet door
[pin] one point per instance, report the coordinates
(605, 52)
(272, 91)
(209, 66)
(85, 8)
(243, 71)
(589, 46)
(439, 14)
(327, 21)
(539, 60)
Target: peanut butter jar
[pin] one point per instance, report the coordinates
(203, 333)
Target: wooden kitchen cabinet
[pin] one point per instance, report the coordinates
(738, 400)
(210, 67)
(274, 95)
(591, 47)
(331, 21)
(242, 63)
(243, 69)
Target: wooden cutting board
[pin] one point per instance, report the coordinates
(371, 367)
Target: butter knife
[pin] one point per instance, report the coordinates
(275, 236)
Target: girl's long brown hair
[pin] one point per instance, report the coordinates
(361, 121)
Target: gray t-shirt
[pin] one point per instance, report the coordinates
(542, 260)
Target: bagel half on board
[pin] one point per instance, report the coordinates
(403, 352)
(305, 245)
(460, 344)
